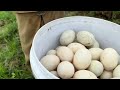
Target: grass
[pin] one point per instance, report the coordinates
(11, 56)
(113, 16)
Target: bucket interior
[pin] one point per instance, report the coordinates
(105, 32)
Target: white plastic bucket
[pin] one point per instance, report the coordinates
(106, 33)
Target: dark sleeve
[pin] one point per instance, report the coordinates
(24, 11)
(38, 12)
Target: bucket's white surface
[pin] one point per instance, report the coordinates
(106, 33)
